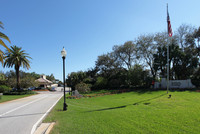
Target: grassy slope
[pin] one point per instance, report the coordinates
(5, 98)
(150, 112)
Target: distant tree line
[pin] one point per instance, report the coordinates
(135, 64)
(26, 79)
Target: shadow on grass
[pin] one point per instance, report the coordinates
(136, 103)
(107, 109)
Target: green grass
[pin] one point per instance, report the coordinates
(5, 98)
(133, 112)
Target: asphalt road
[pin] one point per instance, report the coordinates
(22, 116)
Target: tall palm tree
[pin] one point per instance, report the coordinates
(17, 57)
(3, 36)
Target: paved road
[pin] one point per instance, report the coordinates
(22, 116)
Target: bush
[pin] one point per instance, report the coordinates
(82, 88)
(196, 78)
(101, 83)
(4, 89)
(20, 92)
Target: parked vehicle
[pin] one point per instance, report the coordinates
(15, 89)
(31, 88)
(53, 88)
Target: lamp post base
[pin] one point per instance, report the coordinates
(64, 107)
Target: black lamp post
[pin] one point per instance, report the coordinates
(64, 53)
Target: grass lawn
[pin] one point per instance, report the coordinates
(133, 112)
(5, 98)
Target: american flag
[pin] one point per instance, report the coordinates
(169, 24)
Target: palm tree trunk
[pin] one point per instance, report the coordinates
(18, 78)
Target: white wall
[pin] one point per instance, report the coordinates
(174, 84)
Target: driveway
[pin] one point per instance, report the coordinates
(22, 116)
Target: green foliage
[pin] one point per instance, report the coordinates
(51, 78)
(2, 78)
(11, 82)
(196, 78)
(28, 82)
(101, 83)
(127, 53)
(182, 61)
(26, 79)
(4, 89)
(21, 92)
(146, 47)
(137, 77)
(83, 88)
(76, 78)
(18, 58)
(3, 36)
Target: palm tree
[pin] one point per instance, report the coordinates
(17, 57)
(3, 36)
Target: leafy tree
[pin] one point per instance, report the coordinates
(2, 78)
(101, 83)
(147, 48)
(83, 87)
(127, 54)
(196, 78)
(17, 58)
(76, 78)
(107, 63)
(28, 81)
(182, 60)
(3, 36)
(160, 60)
(35, 75)
(136, 76)
(183, 33)
(51, 78)
(197, 36)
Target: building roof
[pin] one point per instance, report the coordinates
(43, 80)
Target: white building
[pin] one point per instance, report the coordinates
(43, 82)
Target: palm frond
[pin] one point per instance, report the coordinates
(2, 57)
(17, 57)
(4, 37)
(3, 44)
(1, 25)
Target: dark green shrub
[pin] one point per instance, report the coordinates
(196, 78)
(82, 88)
(21, 92)
(101, 83)
(4, 89)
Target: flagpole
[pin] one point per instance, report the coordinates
(168, 67)
(167, 57)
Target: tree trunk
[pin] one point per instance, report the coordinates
(18, 78)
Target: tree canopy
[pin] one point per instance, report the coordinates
(18, 58)
(3, 36)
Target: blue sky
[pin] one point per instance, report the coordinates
(86, 28)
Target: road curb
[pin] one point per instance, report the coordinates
(50, 128)
(44, 128)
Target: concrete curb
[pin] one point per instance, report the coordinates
(44, 128)
(50, 128)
